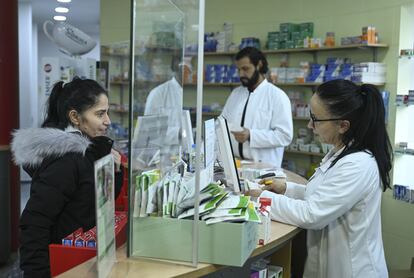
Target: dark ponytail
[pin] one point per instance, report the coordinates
(77, 95)
(52, 114)
(364, 108)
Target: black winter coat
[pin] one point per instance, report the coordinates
(62, 194)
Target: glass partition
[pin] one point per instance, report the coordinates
(164, 46)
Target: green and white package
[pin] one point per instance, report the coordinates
(204, 207)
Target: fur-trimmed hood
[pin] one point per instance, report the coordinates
(31, 146)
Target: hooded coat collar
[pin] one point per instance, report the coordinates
(31, 146)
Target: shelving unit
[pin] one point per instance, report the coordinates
(373, 47)
(314, 84)
(372, 55)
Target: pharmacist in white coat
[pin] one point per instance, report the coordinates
(259, 113)
(340, 206)
(167, 99)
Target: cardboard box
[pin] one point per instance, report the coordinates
(170, 238)
(63, 258)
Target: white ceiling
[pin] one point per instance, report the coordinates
(83, 14)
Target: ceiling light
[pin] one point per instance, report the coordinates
(64, 1)
(59, 18)
(61, 10)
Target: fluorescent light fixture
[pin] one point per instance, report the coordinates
(64, 1)
(61, 10)
(59, 18)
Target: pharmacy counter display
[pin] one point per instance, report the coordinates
(277, 250)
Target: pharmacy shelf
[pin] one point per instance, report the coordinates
(406, 152)
(313, 84)
(304, 153)
(293, 50)
(405, 56)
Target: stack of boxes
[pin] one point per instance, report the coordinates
(290, 75)
(337, 68)
(404, 193)
(369, 36)
(224, 37)
(369, 72)
(290, 35)
(250, 42)
(316, 74)
(217, 73)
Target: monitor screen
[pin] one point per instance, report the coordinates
(226, 154)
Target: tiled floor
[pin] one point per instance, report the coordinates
(11, 268)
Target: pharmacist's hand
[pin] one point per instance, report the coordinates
(117, 159)
(242, 136)
(253, 193)
(276, 185)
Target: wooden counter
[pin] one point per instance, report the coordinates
(280, 245)
(278, 249)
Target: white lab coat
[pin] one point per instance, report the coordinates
(340, 207)
(269, 119)
(167, 99)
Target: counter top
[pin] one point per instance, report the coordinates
(141, 267)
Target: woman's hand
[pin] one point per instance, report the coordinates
(276, 185)
(117, 159)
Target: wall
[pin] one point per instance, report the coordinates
(27, 64)
(28, 101)
(345, 18)
(115, 21)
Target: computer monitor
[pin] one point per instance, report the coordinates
(226, 154)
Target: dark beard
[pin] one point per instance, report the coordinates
(250, 82)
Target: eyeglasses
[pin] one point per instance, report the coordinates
(314, 119)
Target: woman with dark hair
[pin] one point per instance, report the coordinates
(60, 159)
(340, 206)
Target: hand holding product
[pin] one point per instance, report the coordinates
(276, 185)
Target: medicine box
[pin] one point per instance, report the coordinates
(170, 238)
(63, 258)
